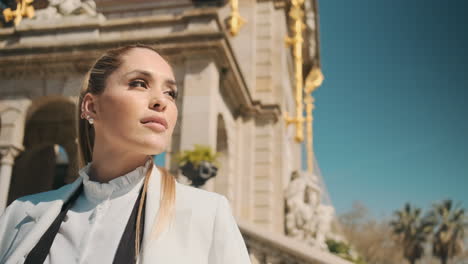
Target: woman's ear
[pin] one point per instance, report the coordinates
(88, 106)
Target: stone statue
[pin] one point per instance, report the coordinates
(64, 8)
(325, 217)
(307, 219)
(302, 200)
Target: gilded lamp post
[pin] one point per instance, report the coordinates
(296, 13)
(313, 81)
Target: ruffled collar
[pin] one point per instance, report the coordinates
(96, 191)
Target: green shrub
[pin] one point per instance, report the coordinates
(198, 154)
(343, 250)
(337, 247)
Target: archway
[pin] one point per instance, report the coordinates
(49, 159)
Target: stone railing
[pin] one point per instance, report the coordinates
(269, 248)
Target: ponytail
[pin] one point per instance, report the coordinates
(165, 213)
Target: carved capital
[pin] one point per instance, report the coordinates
(8, 154)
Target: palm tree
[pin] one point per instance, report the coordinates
(449, 233)
(412, 231)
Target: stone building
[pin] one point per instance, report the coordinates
(236, 84)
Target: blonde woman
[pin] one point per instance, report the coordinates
(122, 209)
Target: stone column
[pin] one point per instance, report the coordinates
(199, 113)
(8, 155)
(13, 119)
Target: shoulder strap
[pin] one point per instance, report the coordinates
(125, 253)
(39, 253)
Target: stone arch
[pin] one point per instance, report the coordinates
(50, 121)
(223, 179)
(40, 102)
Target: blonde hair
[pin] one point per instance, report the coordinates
(95, 83)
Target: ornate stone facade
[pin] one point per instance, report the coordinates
(234, 91)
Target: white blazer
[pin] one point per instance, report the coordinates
(203, 231)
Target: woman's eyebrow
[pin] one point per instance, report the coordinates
(168, 81)
(142, 72)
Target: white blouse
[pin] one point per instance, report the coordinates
(92, 228)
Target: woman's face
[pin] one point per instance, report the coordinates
(137, 110)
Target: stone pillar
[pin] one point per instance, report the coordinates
(13, 116)
(8, 155)
(199, 113)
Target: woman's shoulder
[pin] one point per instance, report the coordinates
(42, 199)
(205, 209)
(185, 193)
(200, 201)
(212, 215)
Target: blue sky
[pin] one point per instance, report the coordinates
(390, 122)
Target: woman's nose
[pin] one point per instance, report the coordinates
(158, 104)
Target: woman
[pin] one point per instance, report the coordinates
(122, 209)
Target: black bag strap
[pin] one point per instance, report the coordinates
(39, 253)
(125, 253)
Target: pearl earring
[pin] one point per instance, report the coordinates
(90, 119)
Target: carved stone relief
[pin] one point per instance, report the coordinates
(61, 8)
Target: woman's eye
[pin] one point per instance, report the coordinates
(172, 94)
(138, 83)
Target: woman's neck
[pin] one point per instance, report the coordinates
(110, 163)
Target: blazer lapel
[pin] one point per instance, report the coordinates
(168, 247)
(43, 214)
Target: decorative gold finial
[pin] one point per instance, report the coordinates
(23, 9)
(235, 21)
(313, 80)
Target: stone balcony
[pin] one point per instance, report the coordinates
(269, 248)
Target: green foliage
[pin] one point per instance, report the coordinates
(343, 250)
(198, 154)
(413, 231)
(337, 247)
(446, 224)
(450, 230)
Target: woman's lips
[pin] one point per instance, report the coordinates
(158, 127)
(156, 123)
